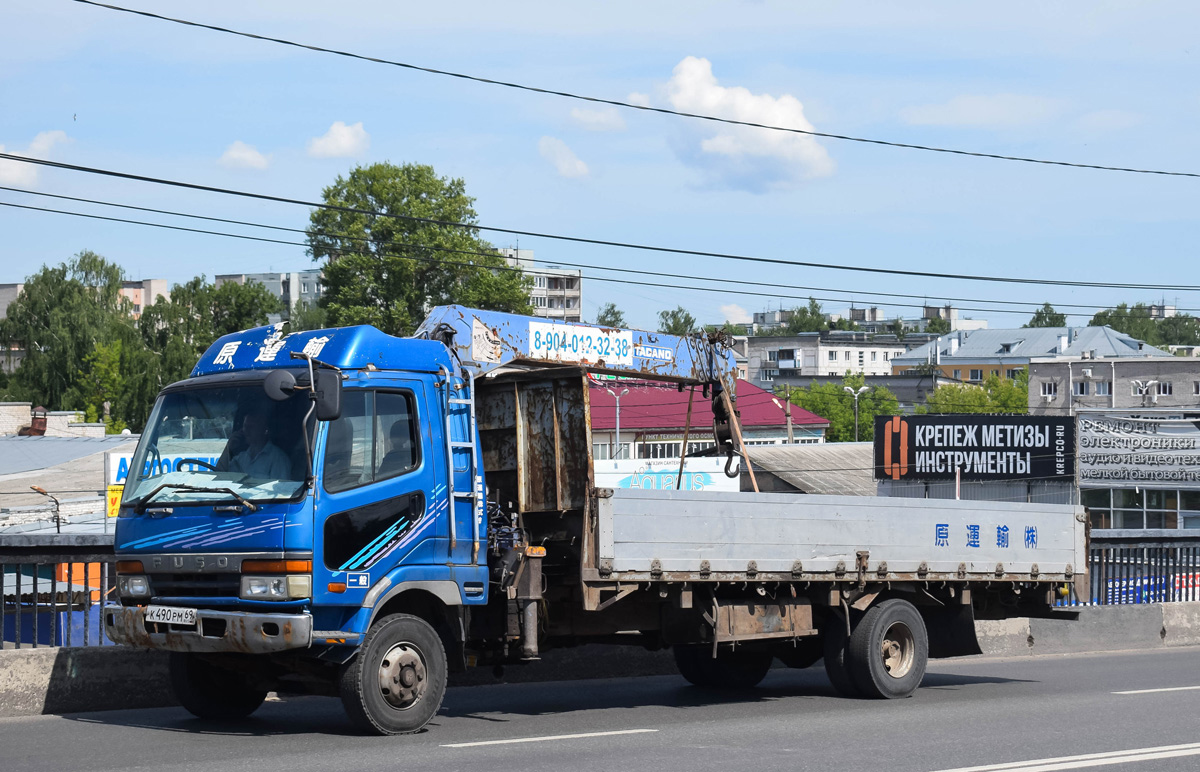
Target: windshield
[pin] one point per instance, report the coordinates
(222, 437)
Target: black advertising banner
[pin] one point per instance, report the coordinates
(982, 447)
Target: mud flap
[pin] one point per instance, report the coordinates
(951, 630)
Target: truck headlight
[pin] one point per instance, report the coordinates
(275, 587)
(133, 586)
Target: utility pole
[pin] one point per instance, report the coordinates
(788, 412)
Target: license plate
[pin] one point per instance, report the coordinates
(171, 615)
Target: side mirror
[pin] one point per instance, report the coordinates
(279, 385)
(329, 395)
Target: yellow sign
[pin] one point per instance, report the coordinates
(114, 499)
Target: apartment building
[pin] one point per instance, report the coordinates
(832, 352)
(557, 293)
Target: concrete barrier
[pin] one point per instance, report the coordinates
(72, 680)
(62, 680)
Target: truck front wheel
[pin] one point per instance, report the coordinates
(396, 681)
(888, 651)
(728, 670)
(207, 691)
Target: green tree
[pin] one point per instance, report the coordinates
(610, 316)
(1180, 330)
(385, 268)
(810, 318)
(994, 395)
(60, 318)
(1134, 321)
(307, 316)
(897, 328)
(832, 402)
(937, 325)
(676, 321)
(1046, 316)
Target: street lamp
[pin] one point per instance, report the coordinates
(856, 395)
(57, 519)
(617, 397)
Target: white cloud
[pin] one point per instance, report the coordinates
(341, 141)
(565, 161)
(23, 174)
(239, 155)
(635, 98)
(736, 314)
(998, 111)
(604, 119)
(741, 156)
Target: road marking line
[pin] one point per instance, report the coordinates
(1088, 760)
(1155, 691)
(548, 738)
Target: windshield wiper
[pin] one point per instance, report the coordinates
(140, 508)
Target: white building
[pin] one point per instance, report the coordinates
(818, 353)
(557, 293)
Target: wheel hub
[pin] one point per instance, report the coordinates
(403, 677)
(897, 649)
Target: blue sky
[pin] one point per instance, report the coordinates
(1111, 83)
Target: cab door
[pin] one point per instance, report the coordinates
(378, 500)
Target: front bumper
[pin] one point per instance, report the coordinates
(215, 631)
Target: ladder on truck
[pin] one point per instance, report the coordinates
(473, 494)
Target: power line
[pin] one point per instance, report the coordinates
(629, 105)
(631, 282)
(584, 240)
(1024, 306)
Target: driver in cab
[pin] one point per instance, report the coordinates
(260, 457)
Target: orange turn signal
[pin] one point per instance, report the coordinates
(130, 567)
(277, 567)
(535, 552)
(337, 586)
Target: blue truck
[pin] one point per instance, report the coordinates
(347, 513)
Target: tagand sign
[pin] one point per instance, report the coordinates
(1124, 450)
(977, 447)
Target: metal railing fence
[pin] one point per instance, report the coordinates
(54, 600)
(54, 597)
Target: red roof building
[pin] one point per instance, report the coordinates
(653, 416)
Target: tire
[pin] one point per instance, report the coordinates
(889, 650)
(729, 670)
(396, 681)
(801, 654)
(837, 657)
(207, 691)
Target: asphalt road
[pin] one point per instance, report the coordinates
(969, 713)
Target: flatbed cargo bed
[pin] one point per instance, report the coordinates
(695, 536)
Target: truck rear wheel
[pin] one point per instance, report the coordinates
(728, 670)
(396, 681)
(207, 691)
(889, 650)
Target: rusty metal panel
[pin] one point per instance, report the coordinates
(574, 443)
(537, 461)
(785, 618)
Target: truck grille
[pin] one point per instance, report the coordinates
(195, 585)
